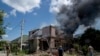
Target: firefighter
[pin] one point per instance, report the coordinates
(60, 51)
(7, 50)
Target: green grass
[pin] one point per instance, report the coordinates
(20, 53)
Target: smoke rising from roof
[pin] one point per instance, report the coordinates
(80, 12)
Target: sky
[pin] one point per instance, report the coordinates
(36, 14)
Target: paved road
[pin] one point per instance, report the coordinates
(3, 54)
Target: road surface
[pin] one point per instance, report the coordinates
(3, 54)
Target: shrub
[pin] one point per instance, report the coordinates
(76, 46)
(1, 48)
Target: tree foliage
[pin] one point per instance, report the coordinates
(2, 44)
(91, 37)
(2, 30)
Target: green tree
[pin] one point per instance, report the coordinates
(2, 44)
(2, 29)
(91, 37)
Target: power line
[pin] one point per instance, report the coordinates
(14, 28)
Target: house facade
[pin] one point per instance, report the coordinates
(46, 38)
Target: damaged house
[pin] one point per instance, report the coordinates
(46, 38)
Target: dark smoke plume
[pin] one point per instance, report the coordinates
(81, 12)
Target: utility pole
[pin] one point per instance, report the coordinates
(22, 24)
(37, 48)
